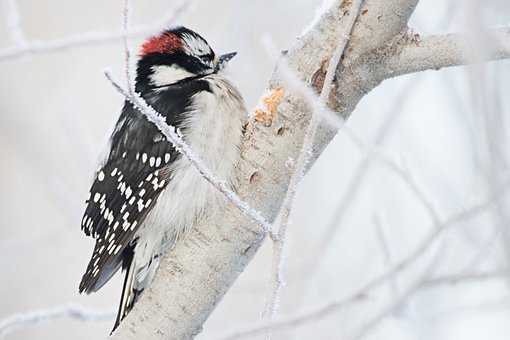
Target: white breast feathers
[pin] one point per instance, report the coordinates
(213, 131)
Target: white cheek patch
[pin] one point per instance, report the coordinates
(166, 75)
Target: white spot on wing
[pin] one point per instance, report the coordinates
(149, 201)
(140, 205)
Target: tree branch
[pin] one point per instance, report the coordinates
(402, 265)
(303, 160)
(198, 272)
(90, 38)
(439, 51)
(13, 322)
(406, 53)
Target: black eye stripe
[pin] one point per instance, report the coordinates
(206, 57)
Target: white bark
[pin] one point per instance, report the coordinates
(198, 272)
(299, 168)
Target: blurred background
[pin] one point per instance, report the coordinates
(355, 216)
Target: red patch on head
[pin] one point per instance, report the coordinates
(164, 43)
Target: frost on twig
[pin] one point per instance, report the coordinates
(93, 38)
(21, 320)
(173, 137)
(226, 256)
(201, 269)
(302, 161)
(399, 267)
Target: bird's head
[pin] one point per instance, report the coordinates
(176, 55)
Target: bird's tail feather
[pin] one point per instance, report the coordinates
(138, 276)
(129, 294)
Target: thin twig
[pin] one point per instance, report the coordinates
(16, 321)
(92, 38)
(305, 154)
(397, 302)
(385, 248)
(360, 172)
(299, 87)
(130, 82)
(464, 277)
(335, 306)
(14, 23)
(174, 137)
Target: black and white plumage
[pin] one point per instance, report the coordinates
(146, 194)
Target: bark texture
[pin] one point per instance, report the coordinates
(193, 277)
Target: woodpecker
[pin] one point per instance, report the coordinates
(145, 194)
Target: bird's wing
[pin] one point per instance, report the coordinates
(125, 189)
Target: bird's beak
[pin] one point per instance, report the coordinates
(223, 60)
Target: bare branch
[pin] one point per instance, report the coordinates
(304, 157)
(385, 248)
(395, 303)
(173, 136)
(14, 22)
(92, 38)
(439, 51)
(201, 268)
(16, 321)
(336, 306)
(467, 277)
